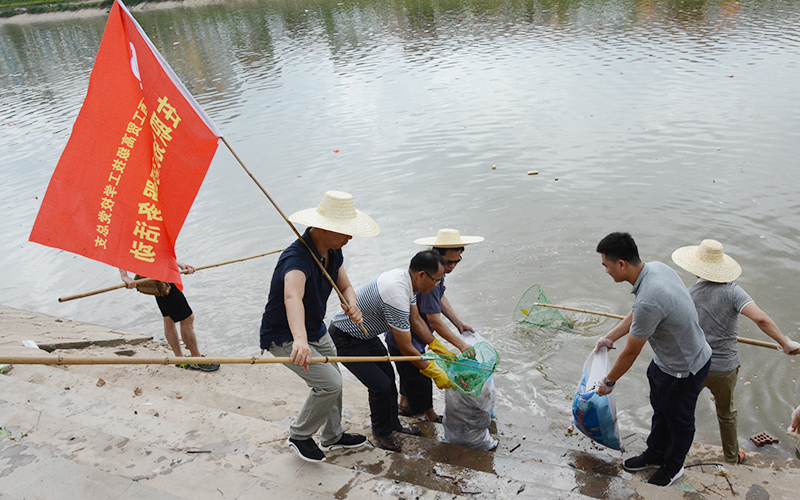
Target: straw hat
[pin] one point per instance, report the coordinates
(708, 261)
(448, 238)
(337, 212)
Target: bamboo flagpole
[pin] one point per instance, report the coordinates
(324, 271)
(176, 360)
(144, 280)
(743, 340)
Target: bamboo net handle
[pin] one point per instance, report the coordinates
(743, 340)
(596, 313)
(173, 360)
(144, 280)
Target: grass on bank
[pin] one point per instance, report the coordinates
(9, 8)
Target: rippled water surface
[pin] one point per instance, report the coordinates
(673, 120)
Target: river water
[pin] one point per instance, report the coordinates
(673, 120)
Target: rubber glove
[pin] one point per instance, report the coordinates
(603, 342)
(438, 348)
(602, 389)
(439, 377)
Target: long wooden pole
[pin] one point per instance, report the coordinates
(175, 360)
(143, 280)
(596, 313)
(743, 340)
(319, 264)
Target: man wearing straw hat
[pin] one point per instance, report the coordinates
(388, 303)
(292, 324)
(416, 391)
(664, 316)
(719, 302)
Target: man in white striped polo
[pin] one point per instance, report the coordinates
(388, 303)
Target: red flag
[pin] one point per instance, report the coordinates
(138, 153)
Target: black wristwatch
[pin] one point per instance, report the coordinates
(609, 383)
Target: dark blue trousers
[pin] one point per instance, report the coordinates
(377, 377)
(673, 400)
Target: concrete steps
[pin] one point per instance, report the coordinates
(176, 432)
(98, 442)
(37, 472)
(186, 427)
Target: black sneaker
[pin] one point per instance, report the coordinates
(210, 367)
(663, 477)
(640, 462)
(307, 449)
(346, 441)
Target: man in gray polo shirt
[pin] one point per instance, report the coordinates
(664, 315)
(719, 302)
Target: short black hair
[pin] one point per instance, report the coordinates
(443, 251)
(619, 246)
(426, 260)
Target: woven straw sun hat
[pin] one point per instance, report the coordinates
(708, 261)
(337, 212)
(448, 238)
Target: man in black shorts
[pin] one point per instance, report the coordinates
(175, 309)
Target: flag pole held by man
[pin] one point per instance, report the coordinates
(292, 324)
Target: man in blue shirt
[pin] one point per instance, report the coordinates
(292, 322)
(416, 390)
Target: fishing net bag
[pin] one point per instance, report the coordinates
(529, 314)
(467, 419)
(469, 372)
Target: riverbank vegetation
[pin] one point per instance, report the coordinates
(9, 8)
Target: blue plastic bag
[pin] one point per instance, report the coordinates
(595, 415)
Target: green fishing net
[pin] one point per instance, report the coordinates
(469, 372)
(529, 314)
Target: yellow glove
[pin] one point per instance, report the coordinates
(438, 376)
(438, 348)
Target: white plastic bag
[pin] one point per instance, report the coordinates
(593, 414)
(466, 419)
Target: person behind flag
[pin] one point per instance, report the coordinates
(664, 316)
(388, 303)
(292, 324)
(175, 309)
(719, 301)
(135, 160)
(416, 392)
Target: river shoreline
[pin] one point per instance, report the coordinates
(159, 429)
(92, 11)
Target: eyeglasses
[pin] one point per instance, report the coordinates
(452, 262)
(435, 281)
